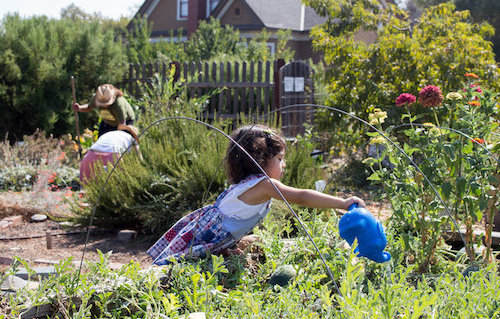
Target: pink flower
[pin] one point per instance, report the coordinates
(405, 98)
(430, 96)
(478, 89)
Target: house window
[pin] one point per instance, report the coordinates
(271, 46)
(237, 12)
(182, 9)
(211, 4)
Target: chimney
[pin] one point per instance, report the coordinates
(197, 10)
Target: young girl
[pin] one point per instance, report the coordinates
(243, 205)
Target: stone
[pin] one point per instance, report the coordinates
(46, 261)
(127, 235)
(13, 283)
(11, 221)
(5, 260)
(38, 217)
(40, 272)
(247, 241)
(40, 311)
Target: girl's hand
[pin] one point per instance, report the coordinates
(76, 107)
(352, 200)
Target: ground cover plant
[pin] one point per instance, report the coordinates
(227, 288)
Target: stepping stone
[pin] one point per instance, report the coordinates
(40, 272)
(38, 217)
(46, 261)
(13, 284)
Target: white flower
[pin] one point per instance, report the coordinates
(453, 96)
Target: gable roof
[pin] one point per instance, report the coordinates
(278, 14)
(146, 8)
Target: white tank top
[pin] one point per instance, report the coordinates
(240, 218)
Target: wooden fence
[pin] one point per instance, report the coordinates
(232, 88)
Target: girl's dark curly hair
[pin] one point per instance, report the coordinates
(260, 141)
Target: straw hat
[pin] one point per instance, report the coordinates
(134, 131)
(105, 95)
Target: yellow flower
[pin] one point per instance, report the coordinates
(377, 117)
(378, 140)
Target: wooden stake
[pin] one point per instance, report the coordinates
(48, 236)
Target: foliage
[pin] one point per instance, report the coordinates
(456, 173)
(228, 288)
(38, 55)
(480, 10)
(405, 57)
(211, 40)
(139, 48)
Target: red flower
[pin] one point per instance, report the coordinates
(474, 103)
(430, 96)
(472, 75)
(405, 98)
(478, 140)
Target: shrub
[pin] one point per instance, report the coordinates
(37, 57)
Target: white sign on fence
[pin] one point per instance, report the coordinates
(293, 84)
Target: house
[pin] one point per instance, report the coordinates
(249, 17)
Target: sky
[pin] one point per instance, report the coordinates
(52, 8)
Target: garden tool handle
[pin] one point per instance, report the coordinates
(77, 124)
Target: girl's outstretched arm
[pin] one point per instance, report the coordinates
(264, 191)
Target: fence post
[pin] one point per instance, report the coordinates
(177, 67)
(278, 64)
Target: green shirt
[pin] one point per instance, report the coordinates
(118, 112)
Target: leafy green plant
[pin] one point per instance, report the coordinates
(462, 172)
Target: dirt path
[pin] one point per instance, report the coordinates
(66, 241)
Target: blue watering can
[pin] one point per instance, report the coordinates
(359, 223)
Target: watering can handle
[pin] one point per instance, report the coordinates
(352, 206)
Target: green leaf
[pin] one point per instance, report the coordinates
(461, 183)
(374, 177)
(446, 189)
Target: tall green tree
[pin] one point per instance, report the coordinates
(406, 56)
(211, 40)
(480, 10)
(38, 56)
